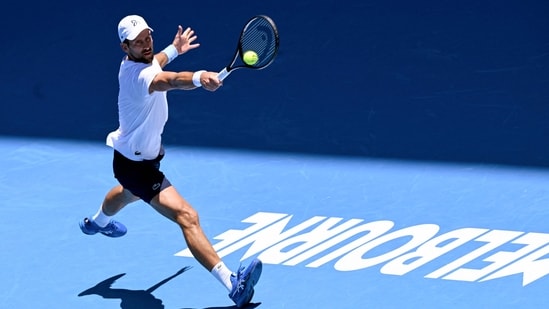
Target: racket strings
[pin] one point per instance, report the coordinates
(261, 37)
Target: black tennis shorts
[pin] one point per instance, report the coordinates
(142, 178)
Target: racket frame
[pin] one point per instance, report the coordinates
(238, 54)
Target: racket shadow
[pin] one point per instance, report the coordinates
(134, 299)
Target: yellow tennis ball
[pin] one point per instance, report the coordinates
(250, 57)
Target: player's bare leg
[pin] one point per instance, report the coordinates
(116, 199)
(173, 206)
(240, 284)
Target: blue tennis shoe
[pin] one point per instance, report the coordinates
(243, 283)
(113, 229)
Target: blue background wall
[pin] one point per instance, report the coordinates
(422, 80)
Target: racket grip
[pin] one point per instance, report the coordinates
(223, 74)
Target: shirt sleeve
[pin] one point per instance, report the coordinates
(147, 75)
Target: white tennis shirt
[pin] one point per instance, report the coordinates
(141, 115)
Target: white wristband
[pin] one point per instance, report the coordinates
(196, 78)
(171, 52)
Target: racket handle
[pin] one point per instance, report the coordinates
(223, 74)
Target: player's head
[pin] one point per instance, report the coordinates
(136, 39)
(131, 26)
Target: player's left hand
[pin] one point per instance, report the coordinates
(183, 40)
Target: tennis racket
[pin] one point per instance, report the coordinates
(259, 35)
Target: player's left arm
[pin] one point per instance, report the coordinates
(182, 43)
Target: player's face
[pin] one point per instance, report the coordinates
(141, 49)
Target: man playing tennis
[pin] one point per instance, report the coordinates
(143, 112)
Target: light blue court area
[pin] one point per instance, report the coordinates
(333, 232)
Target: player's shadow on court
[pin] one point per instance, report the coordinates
(248, 306)
(131, 299)
(139, 299)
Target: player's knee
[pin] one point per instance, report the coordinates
(187, 217)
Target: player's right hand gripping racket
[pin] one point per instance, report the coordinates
(259, 35)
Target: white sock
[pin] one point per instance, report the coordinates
(223, 274)
(101, 218)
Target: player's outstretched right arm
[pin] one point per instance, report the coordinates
(166, 80)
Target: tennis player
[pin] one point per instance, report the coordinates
(142, 113)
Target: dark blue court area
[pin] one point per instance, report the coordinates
(395, 155)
